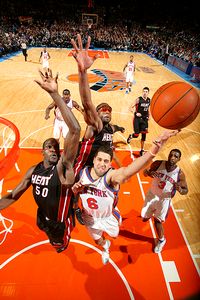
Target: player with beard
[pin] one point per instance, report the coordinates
(98, 188)
(99, 131)
(97, 136)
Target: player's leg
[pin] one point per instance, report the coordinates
(105, 244)
(97, 235)
(57, 232)
(64, 129)
(143, 125)
(111, 227)
(162, 209)
(136, 126)
(57, 130)
(26, 54)
(130, 83)
(148, 206)
(161, 238)
(143, 139)
(127, 83)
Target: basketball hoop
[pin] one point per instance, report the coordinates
(7, 224)
(89, 20)
(8, 141)
(89, 23)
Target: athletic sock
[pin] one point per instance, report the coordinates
(162, 239)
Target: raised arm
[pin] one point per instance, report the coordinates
(77, 106)
(84, 62)
(48, 109)
(122, 174)
(16, 193)
(71, 141)
(125, 67)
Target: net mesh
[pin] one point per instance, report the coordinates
(9, 152)
(9, 146)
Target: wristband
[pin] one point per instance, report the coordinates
(156, 143)
(152, 153)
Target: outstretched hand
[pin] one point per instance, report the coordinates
(162, 139)
(84, 61)
(48, 83)
(77, 187)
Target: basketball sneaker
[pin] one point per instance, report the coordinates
(79, 217)
(159, 246)
(129, 138)
(141, 152)
(105, 253)
(59, 250)
(129, 90)
(126, 92)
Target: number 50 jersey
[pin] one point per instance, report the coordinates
(48, 192)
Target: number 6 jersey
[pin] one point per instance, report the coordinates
(98, 198)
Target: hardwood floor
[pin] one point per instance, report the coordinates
(23, 102)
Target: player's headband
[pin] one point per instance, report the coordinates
(103, 107)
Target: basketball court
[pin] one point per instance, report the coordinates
(30, 268)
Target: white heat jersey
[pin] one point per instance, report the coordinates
(164, 184)
(57, 111)
(98, 199)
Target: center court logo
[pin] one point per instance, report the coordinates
(104, 80)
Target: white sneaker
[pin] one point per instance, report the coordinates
(160, 244)
(107, 244)
(105, 253)
(105, 257)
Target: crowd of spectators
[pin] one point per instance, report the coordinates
(119, 37)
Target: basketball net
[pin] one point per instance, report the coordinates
(5, 228)
(9, 153)
(9, 149)
(89, 23)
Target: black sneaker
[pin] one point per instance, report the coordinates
(79, 217)
(59, 250)
(129, 139)
(141, 152)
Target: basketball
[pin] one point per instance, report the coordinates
(175, 105)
